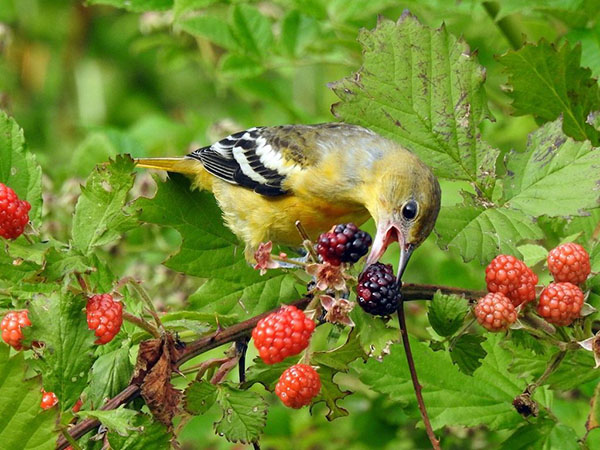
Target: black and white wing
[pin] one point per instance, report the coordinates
(249, 158)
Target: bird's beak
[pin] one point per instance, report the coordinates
(388, 232)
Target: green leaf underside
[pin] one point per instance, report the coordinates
(548, 82)
(423, 88)
(58, 321)
(23, 424)
(488, 399)
(200, 396)
(244, 414)
(209, 250)
(19, 169)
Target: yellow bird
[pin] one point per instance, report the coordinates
(266, 178)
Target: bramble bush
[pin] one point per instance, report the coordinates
(149, 251)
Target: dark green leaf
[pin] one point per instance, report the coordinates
(118, 420)
(467, 352)
(446, 313)
(199, 397)
(252, 29)
(244, 414)
(110, 374)
(154, 436)
(542, 436)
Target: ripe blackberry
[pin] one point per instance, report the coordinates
(14, 213)
(49, 399)
(282, 333)
(105, 316)
(569, 262)
(378, 291)
(511, 277)
(560, 303)
(345, 243)
(495, 312)
(298, 385)
(11, 326)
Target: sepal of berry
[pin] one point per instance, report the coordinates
(12, 325)
(104, 316)
(378, 291)
(511, 277)
(14, 213)
(345, 243)
(495, 312)
(283, 333)
(298, 385)
(49, 399)
(560, 303)
(569, 262)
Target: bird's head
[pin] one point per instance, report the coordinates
(404, 200)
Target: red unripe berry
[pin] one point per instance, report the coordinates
(48, 400)
(282, 333)
(105, 316)
(511, 277)
(14, 213)
(560, 303)
(495, 312)
(298, 385)
(569, 262)
(77, 406)
(11, 326)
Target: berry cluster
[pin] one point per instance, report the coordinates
(285, 333)
(345, 243)
(49, 399)
(105, 316)
(14, 213)
(512, 284)
(378, 291)
(12, 325)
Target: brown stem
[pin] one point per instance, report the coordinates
(435, 443)
(139, 322)
(243, 329)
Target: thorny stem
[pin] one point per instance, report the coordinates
(139, 322)
(241, 330)
(435, 443)
(552, 366)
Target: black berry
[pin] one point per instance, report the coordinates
(378, 291)
(345, 243)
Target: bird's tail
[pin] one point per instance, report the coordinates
(177, 165)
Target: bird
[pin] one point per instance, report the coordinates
(267, 178)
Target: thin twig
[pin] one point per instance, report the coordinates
(435, 443)
(139, 322)
(306, 242)
(550, 368)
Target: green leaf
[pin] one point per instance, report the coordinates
(267, 374)
(536, 179)
(135, 5)
(252, 29)
(118, 420)
(330, 394)
(446, 313)
(23, 425)
(244, 414)
(154, 436)
(239, 67)
(467, 353)
(542, 436)
(110, 374)
(58, 320)
(374, 334)
(212, 28)
(340, 358)
(532, 254)
(182, 6)
(18, 167)
(60, 262)
(209, 250)
(488, 399)
(423, 88)
(483, 233)
(101, 215)
(297, 32)
(199, 397)
(548, 82)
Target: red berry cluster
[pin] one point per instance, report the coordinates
(285, 333)
(49, 399)
(105, 316)
(12, 325)
(512, 284)
(14, 213)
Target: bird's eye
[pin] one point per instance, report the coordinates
(410, 209)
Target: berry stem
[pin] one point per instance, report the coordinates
(435, 443)
(306, 242)
(148, 301)
(550, 368)
(141, 323)
(538, 323)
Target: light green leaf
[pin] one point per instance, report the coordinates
(548, 82)
(154, 436)
(199, 397)
(297, 32)
(212, 28)
(268, 374)
(532, 254)
(109, 375)
(446, 313)
(341, 357)
(239, 67)
(118, 420)
(423, 88)
(58, 320)
(101, 215)
(542, 436)
(488, 399)
(244, 414)
(483, 233)
(183, 6)
(252, 29)
(135, 5)
(23, 424)
(538, 178)
(19, 169)
(374, 334)
(330, 394)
